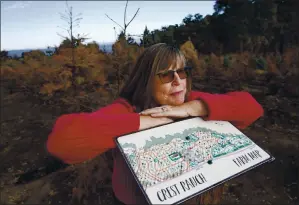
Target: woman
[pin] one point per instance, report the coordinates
(157, 92)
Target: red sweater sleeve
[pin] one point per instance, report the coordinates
(239, 108)
(81, 136)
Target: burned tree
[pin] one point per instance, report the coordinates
(73, 21)
(124, 28)
(123, 35)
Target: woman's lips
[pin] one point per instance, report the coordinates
(176, 93)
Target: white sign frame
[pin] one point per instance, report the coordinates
(198, 176)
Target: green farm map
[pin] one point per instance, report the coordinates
(163, 158)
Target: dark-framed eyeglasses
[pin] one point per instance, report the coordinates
(168, 76)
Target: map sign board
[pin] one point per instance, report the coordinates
(177, 161)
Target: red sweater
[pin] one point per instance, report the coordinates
(81, 136)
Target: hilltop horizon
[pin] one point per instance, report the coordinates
(18, 52)
(46, 47)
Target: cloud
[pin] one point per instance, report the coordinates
(18, 5)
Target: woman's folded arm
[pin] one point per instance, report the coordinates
(239, 108)
(81, 136)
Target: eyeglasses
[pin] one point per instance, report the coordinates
(168, 76)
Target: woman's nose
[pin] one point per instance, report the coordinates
(177, 79)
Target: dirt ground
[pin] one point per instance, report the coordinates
(29, 175)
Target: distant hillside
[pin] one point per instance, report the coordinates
(18, 53)
(106, 47)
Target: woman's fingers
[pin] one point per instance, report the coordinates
(149, 112)
(155, 110)
(166, 111)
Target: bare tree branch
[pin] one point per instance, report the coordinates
(124, 28)
(133, 18)
(66, 20)
(63, 28)
(78, 19)
(125, 14)
(62, 36)
(114, 21)
(64, 17)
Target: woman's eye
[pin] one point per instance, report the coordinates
(180, 71)
(165, 74)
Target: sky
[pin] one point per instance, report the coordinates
(35, 24)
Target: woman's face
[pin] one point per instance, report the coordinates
(172, 93)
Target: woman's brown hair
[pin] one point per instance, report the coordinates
(158, 57)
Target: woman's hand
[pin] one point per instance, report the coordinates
(147, 122)
(195, 108)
